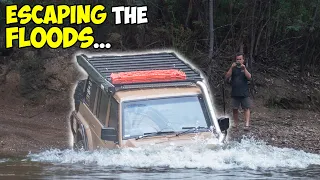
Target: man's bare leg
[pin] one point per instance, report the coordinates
(235, 117)
(247, 116)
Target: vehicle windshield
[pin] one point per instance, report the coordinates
(163, 114)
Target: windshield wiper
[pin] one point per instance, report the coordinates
(154, 133)
(190, 129)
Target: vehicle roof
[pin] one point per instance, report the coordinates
(100, 68)
(156, 93)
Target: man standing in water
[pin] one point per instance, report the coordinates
(240, 89)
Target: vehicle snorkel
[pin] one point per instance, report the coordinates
(221, 124)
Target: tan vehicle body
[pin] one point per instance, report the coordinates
(97, 120)
(93, 126)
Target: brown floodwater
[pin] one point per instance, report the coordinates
(248, 159)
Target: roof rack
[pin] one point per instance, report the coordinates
(100, 68)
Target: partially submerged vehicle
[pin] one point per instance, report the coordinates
(142, 99)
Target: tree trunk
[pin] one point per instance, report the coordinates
(303, 57)
(252, 42)
(211, 29)
(268, 33)
(232, 28)
(5, 69)
(241, 47)
(259, 37)
(309, 32)
(187, 22)
(252, 48)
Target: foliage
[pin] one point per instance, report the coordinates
(272, 32)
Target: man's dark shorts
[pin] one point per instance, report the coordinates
(244, 102)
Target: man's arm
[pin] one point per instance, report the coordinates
(247, 74)
(229, 73)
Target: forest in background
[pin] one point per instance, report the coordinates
(275, 35)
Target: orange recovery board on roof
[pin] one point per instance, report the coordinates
(147, 76)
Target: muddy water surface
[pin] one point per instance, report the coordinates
(248, 159)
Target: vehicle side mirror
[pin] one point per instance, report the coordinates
(109, 134)
(223, 123)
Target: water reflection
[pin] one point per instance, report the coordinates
(33, 170)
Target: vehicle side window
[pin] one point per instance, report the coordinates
(103, 107)
(91, 90)
(114, 114)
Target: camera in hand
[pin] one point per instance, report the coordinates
(238, 64)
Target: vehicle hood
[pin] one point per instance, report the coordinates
(168, 139)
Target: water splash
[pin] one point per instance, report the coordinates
(4, 160)
(249, 154)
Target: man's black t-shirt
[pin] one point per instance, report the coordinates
(239, 83)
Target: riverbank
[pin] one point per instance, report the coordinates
(297, 129)
(26, 127)
(285, 112)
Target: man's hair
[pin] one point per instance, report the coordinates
(239, 54)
